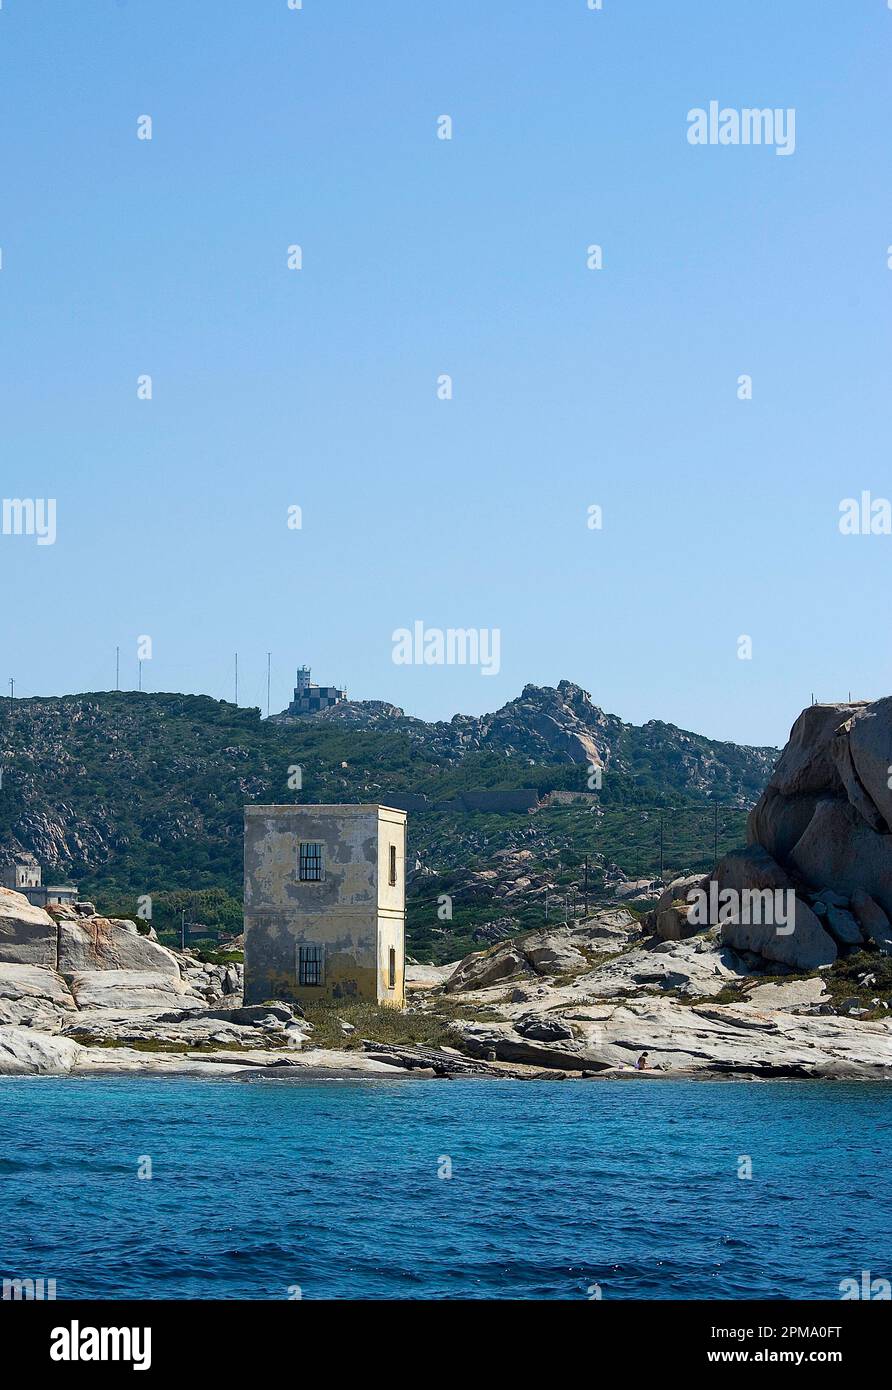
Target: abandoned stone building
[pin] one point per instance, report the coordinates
(325, 903)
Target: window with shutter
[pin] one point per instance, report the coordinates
(310, 862)
(310, 965)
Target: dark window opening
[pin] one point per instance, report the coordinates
(310, 863)
(392, 973)
(393, 864)
(310, 965)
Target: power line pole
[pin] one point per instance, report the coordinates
(585, 890)
(236, 678)
(268, 660)
(661, 846)
(183, 930)
(11, 688)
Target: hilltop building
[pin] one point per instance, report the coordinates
(308, 698)
(325, 903)
(22, 873)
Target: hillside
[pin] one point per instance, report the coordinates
(129, 794)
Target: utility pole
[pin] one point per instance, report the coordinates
(236, 678)
(661, 846)
(117, 668)
(585, 890)
(268, 660)
(11, 688)
(183, 930)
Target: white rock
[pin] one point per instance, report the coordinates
(129, 990)
(27, 1052)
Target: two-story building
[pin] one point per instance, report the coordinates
(325, 903)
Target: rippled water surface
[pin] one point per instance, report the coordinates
(261, 1187)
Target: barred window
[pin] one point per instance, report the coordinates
(393, 967)
(310, 862)
(393, 864)
(310, 965)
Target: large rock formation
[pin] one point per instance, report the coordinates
(68, 941)
(823, 828)
(801, 943)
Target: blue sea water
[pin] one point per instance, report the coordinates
(263, 1187)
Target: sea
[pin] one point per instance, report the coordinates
(411, 1188)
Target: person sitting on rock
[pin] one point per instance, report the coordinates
(641, 1064)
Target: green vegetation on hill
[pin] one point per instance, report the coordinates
(142, 794)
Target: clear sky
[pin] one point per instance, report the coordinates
(572, 387)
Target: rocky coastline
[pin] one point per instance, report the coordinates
(725, 997)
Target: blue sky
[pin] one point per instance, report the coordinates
(572, 387)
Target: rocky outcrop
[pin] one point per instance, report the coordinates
(670, 919)
(484, 968)
(722, 1040)
(558, 951)
(33, 996)
(697, 968)
(823, 830)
